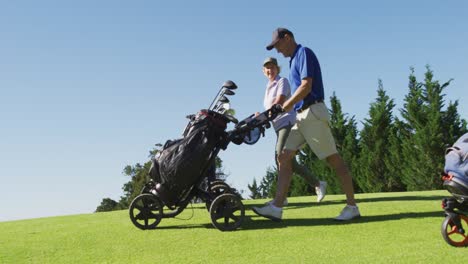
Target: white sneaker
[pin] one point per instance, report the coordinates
(285, 202)
(269, 211)
(348, 213)
(321, 190)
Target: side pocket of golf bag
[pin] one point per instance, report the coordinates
(154, 171)
(181, 165)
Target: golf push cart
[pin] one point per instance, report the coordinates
(455, 180)
(184, 169)
(455, 225)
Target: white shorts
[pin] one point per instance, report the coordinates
(312, 127)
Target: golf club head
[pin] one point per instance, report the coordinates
(228, 92)
(225, 90)
(230, 85)
(223, 99)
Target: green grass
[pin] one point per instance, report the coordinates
(395, 228)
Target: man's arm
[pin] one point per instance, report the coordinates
(302, 91)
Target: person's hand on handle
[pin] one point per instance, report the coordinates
(277, 109)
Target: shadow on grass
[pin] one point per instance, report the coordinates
(363, 219)
(361, 200)
(247, 224)
(258, 222)
(184, 226)
(402, 198)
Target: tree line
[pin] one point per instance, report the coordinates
(391, 152)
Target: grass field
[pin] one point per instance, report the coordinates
(395, 228)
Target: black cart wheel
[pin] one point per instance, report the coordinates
(146, 211)
(454, 236)
(215, 191)
(220, 182)
(227, 212)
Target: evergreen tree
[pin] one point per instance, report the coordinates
(395, 159)
(299, 187)
(454, 125)
(413, 122)
(254, 190)
(346, 136)
(425, 134)
(268, 184)
(374, 174)
(345, 133)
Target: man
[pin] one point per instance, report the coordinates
(311, 125)
(277, 91)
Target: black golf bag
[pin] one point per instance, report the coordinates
(183, 162)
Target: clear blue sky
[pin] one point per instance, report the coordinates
(87, 87)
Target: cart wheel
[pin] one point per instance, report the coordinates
(227, 212)
(146, 211)
(215, 191)
(452, 234)
(219, 182)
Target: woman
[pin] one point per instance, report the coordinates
(277, 91)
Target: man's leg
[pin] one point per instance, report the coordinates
(320, 139)
(351, 211)
(337, 163)
(282, 135)
(274, 211)
(284, 176)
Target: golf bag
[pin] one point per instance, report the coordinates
(456, 168)
(455, 177)
(183, 162)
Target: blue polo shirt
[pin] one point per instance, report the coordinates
(304, 64)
